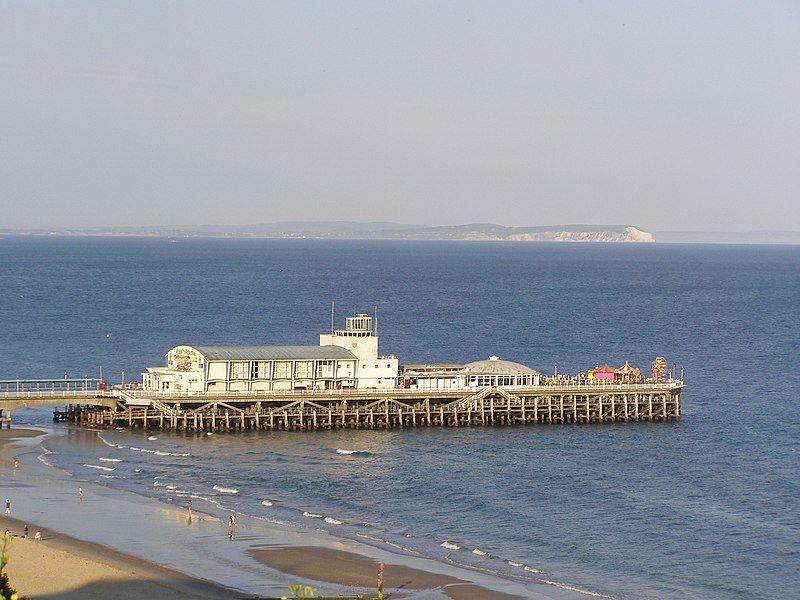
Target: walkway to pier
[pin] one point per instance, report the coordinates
(25, 393)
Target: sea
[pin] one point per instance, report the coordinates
(703, 508)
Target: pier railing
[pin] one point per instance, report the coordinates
(399, 392)
(84, 392)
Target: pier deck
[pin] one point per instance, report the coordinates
(364, 409)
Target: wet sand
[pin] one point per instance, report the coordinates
(10, 434)
(346, 568)
(60, 567)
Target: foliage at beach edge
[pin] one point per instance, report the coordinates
(6, 591)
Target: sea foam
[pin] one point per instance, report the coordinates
(450, 546)
(225, 490)
(332, 521)
(99, 467)
(106, 442)
(532, 570)
(348, 452)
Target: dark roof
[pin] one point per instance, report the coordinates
(274, 352)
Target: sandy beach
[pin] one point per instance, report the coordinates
(62, 567)
(8, 434)
(349, 569)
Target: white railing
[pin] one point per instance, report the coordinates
(396, 391)
(344, 394)
(14, 394)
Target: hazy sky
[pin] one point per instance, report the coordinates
(669, 115)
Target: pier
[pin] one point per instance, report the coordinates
(358, 409)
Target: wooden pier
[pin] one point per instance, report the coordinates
(382, 409)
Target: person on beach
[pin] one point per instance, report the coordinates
(38, 535)
(8, 508)
(25, 531)
(189, 508)
(80, 493)
(16, 464)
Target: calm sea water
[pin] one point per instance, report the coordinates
(704, 508)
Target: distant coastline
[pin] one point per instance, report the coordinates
(379, 230)
(351, 230)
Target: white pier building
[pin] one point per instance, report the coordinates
(477, 374)
(345, 359)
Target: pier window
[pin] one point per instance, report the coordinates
(283, 369)
(259, 369)
(303, 369)
(239, 369)
(324, 368)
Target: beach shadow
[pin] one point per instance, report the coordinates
(144, 589)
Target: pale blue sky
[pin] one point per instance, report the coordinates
(669, 115)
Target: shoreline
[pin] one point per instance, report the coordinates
(60, 566)
(356, 570)
(21, 433)
(155, 535)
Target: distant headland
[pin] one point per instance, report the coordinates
(378, 230)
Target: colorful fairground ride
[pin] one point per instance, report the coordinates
(624, 374)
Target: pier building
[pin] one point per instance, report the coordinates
(345, 359)
(477, 374)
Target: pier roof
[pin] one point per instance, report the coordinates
(495, 366)
(274, 352)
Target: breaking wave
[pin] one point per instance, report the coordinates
(450, 546)
(225, 490)
(348, 452)
(532, 570)
(106, 442)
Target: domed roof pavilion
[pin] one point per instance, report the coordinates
(500, 372)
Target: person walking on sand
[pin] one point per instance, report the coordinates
(8, 508)
(189, 508)
(25, 531)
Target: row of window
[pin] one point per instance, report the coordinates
(286, 369)
(483, 380)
